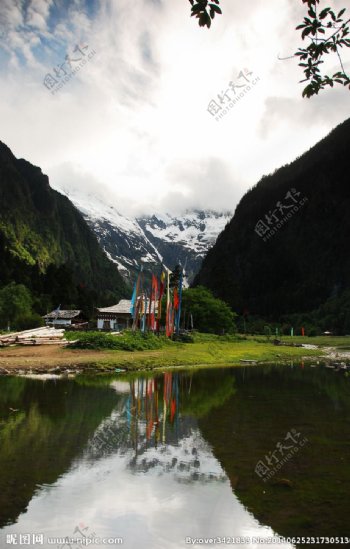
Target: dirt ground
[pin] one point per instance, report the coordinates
(46, 357)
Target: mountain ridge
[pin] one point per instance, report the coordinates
(151, 240)
(42, 231)
(303, 262)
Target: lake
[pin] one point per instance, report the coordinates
(167, 460)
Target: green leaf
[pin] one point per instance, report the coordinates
(305, 32)
(324, 13)
(196, 9)
(204, 20)
(215, 8)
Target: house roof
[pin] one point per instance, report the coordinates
(123, 306)
(62, 315)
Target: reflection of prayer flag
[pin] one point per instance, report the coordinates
(167, 386)
(172, 409)
(149, 429)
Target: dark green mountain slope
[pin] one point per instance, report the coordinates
(306, 261)
(45, 243)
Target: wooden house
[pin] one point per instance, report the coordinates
(118, 317)
(64, 318)
(115, 318)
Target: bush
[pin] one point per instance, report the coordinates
(313, 332)
(209, 313)
(26, 322)
(15, 302)
(183, 337)
(128, 341)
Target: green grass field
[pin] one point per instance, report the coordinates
(205, 350)
(322, 341)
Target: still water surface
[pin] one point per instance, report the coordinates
(250, 452)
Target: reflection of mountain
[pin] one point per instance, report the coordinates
(40, 441)
(180, 431)
(186, 456)
(268, 404)
(148, 428)
(57, 420)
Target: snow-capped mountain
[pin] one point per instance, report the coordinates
(186, 238)
(150, 240)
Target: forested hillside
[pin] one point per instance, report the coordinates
(286, 248)
(46, 245)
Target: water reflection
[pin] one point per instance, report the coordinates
(149, 427)
(158, 458)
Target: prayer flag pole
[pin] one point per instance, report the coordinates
(178, 316)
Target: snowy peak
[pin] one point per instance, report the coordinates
(150, 240)
(195, 230)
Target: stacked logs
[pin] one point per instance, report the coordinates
(37, 336)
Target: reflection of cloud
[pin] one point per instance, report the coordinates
(145, 510)
(121, 387)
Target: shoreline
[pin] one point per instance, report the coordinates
(53, 359)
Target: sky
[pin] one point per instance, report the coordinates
(131, 122)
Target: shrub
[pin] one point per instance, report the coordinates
(128, 341)
(209, 313)
(26, 322)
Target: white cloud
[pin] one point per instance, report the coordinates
(135, 117)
